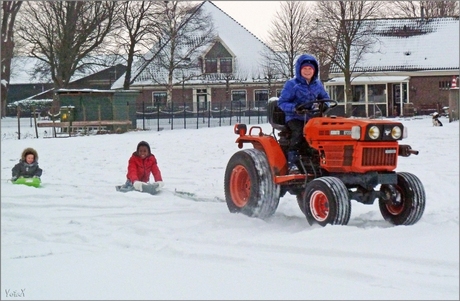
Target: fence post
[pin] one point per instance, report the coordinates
(209, 115)
(158, 118)
(143, 115)
(220, 113)
(185, 117)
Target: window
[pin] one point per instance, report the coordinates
(358, 93)
(158, 99)
(260, 98)
(226, 65)
(211, 66)
(337, 93)
(239, 98)
(376, 93)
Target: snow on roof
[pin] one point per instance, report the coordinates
(22, 71)
(412, 45)
(246, 47)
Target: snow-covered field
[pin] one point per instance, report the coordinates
(77, 238)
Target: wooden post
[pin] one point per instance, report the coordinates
(127, 114)
(69, 129)
(85, 131)
(19, 123)
(35, 122)
(99, 117)
(54, 128)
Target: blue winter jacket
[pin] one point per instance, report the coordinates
(296, 91)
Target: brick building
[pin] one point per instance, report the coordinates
(229, 73)
(408, 71)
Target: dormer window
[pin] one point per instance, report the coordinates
(218, 59)
(226, 65)
(211, 65)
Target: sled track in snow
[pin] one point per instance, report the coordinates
(191, 196)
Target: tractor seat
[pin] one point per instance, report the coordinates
(276, 116)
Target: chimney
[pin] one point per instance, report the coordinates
(422, 12)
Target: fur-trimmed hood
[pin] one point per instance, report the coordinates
(27, 151)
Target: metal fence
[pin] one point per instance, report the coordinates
(183, 119)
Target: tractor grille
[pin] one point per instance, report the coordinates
(379, 156)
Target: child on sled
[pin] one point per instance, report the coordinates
(27, 166)
(141, 165)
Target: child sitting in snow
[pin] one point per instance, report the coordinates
(27, 166)
(141, 164)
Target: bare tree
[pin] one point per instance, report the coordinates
(9, 12)
(342, 37)
(61, 34)
(185, 29)
(271, 70)
(426, 9)
(138, 25)
(290, 34)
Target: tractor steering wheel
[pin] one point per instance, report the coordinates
(319, 108)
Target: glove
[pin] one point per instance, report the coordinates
(300, 109)
(325, 108)
(138, 185)
(160, 184)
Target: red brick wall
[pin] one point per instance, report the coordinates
(426, 94)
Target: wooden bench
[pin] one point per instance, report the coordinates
(66, 124)
(427, 109)
(69, 127)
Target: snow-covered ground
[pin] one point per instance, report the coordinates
(77, 238)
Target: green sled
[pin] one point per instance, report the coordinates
(35, 182)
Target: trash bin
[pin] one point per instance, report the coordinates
(67, 113)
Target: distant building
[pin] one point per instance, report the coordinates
(408, 71)
(228, 73)
(25, 87)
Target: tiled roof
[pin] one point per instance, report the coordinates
(411, 45)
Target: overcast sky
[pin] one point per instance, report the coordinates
(255, 16)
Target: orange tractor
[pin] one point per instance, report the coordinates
(346, 159)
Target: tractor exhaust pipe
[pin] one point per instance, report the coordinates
(406, 151)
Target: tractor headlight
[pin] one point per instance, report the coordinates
(373, 132)
(396, 132)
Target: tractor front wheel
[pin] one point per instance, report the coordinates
(404, 202)
(326, 201)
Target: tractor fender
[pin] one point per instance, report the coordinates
(271, 148)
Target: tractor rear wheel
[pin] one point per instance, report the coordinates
(406, 202)
(249, 186)
(326, 201)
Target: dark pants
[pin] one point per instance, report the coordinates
(297, 141)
